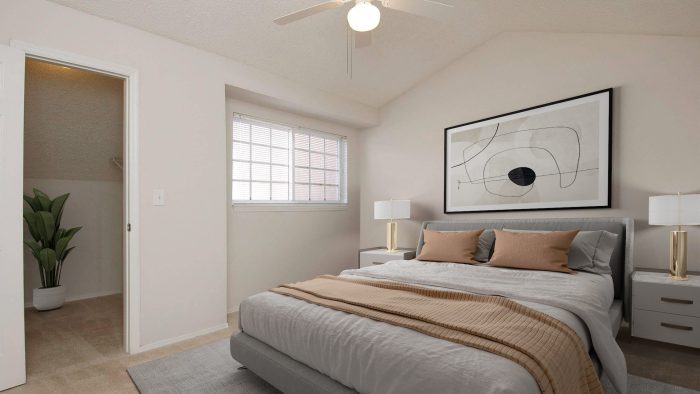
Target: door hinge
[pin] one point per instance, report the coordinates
(128, 227)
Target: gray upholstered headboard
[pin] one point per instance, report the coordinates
(621, 261)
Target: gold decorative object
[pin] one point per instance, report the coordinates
(391, 236)
(392, 210)
(679, 254)
(676, 210)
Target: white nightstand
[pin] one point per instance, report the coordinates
(374, 256)
(666, 310)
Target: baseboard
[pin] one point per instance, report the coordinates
(234, 309)
(169, 341)
(29, 304)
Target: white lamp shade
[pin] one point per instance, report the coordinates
(392, 209)
(675, 210)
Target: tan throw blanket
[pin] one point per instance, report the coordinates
(550, 350)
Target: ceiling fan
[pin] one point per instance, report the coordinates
(364, 16)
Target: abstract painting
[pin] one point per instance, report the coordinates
(552, 156)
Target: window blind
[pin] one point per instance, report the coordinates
(278, 163)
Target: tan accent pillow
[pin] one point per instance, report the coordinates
(450, 246)
(534, 251)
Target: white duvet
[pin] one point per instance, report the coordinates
(375, 357)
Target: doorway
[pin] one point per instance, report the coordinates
(12, 62)
(73, 145)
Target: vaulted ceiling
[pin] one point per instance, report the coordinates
(406, 48)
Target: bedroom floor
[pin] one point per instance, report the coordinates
(672, 364)
(78, 348)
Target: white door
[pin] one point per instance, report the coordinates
(12, 368)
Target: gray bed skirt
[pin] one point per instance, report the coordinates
(281, 371)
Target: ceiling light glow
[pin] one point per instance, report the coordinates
(364, 16)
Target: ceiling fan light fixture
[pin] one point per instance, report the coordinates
(363, 16)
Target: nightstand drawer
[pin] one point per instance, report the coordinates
(369, 262)
(372, 257)
(665, 327)
(658, 297)
(369, 259)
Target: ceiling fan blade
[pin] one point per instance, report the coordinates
(429, 8)
(295, 16)
(363, 39)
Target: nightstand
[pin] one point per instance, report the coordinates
(374, 256)
(666, 310)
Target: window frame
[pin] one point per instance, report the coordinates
(341, 203)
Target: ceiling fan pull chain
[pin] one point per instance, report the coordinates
(349, 52)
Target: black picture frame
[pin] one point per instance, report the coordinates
(608, 184)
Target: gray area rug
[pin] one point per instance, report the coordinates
(210, 369)
(205, 369)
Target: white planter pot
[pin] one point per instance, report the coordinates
(49, 298)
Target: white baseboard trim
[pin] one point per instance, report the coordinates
(28, 304)
(165, 342)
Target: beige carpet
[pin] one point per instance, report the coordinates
(78, 348)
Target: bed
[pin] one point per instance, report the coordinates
(301, 347)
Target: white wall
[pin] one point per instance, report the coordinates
(656, 130)
(95, 267)
(270, 246)
(182, 148)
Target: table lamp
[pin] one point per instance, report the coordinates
(676, 210)
(391, 210)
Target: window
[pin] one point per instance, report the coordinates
(275, 163)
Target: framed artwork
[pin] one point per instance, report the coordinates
(552, 156)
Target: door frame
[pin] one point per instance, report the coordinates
(132, 271)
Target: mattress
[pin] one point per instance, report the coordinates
(361, 353)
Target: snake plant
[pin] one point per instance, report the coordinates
(50, 243)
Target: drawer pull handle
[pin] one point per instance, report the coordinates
(676, 326)
(676, 301)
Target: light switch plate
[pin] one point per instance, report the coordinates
(158, 197)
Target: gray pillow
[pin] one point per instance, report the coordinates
(483, 250)
(590, 251)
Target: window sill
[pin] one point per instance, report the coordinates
(255, 207)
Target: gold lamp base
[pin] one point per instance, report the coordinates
(391, 236)
(679, 255)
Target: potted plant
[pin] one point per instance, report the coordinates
(49, 246)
